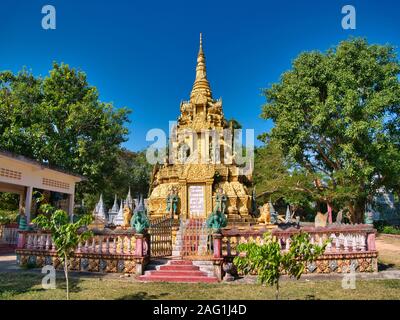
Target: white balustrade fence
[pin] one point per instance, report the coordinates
(123, 244)
(8, 235)
(338, 241)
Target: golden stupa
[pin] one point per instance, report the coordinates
(200, 161)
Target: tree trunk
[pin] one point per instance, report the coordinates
(66, 274)
(277, 291)
(357, 210)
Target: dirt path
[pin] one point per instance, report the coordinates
(384, 243)
(388, 250)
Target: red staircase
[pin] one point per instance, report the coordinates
(178, 271)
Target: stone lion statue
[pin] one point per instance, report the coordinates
(265, 214)
(321, 219)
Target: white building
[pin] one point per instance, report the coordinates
(19, 174)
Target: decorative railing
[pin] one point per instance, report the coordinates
(195, 238)
(9, 234)
(113, 243)
(343, 238)
(161, 236)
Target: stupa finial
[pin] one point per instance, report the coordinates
(201, 86)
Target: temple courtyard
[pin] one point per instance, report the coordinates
(26, 284)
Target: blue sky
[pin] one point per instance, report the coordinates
(142, 54)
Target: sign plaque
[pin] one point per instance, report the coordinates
(196, 201)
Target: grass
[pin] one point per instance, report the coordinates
(25, 285)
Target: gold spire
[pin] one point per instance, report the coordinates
(201, 86)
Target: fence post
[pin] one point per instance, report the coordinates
(142, 251)
(371, 242)
(217, 245)
(21, 239)
(217, 257)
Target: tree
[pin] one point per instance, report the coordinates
(269, 261)
(9, 203)
(337, 115)
(131, 169)
(277, 177)
(65, 234)
(59, 120)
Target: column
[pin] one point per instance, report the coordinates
(71, 204)
(209, 198)
(183, 198)
(28, 203)
(21, 202)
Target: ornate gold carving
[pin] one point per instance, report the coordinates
(199, 164)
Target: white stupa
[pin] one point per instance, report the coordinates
(288, 216)
(113, 211)
(129, 200)
(100, 211)
(119, 218)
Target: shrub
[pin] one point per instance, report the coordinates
(390, 230)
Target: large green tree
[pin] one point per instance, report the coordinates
(337, 115)
(278, 177)
(131, 169)
(60, 120)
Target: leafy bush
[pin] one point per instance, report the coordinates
(269, 261)
(382, 226)
(8, 216)
(390, 230)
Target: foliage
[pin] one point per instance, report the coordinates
(131, 170)
(276, 177)
(390, 230)
(66, 235)
(60, 120)
(337, 115)
(234, 124)
(384, 227)
(269, 261)
(9, 203)
(8, 216)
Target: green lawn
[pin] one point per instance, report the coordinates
(25, 285)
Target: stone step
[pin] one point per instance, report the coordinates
(156, 278)
(174, 273)
(180, 262)
(178, 267)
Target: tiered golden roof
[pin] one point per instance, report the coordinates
(194, 158)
